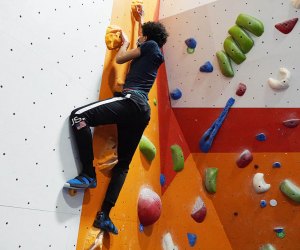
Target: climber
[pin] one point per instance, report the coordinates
(128, 109)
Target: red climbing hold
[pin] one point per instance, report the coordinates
(149, 206)
(287, 26)
(241, 89)
(291, 123)
(244, 159)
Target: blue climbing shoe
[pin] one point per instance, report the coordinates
(81, 181)
(103, 222)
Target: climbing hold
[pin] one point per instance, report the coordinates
(149, 206)
(189, 50)
(287, 26)
(192, 239)
(296, 4)
(251, 24)
(241, 89)
(168, 243)
(263, 203)
(261, 137)
(113, 38)
(291, 123)
(176, 94)
(278, 229)
(135, 5)
(267, 247)
(259, 183)
(209, 135)
(244, 159)
(276, 164)
(290, 190)
(283, 83)
(147, 148)
(273, 203)
(154, 101)
(211, 179)
(162, 179)
(225, 64)
(281, 235)
(207, 67)
(243, 40)
(177, 157)
(191, 43)
(141, 227)
(199, 210)
(233, 51)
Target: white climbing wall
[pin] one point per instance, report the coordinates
(51, 60)
(208, 22)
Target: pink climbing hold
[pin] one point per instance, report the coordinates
(291, 123)
(199, 211)
(149, 206)
(241, 89)
(244, 159)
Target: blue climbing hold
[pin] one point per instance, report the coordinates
(261, 137)
(191, 43)
(263, 203)
(162, 179)
(278, 229)
(276, 164)
(176, 94)
(207, 138)
(192, 239)
(207, 67)
(141, 228)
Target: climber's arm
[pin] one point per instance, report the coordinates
(123, 55)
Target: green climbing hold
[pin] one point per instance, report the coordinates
(233, 50)
(290, 190)
(251, 24)
(211, 179)
(177, 157)
(154, 101)
(147, 148)
(243, 40)
(225, 64)
(267, 247)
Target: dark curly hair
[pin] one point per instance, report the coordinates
(155, 31)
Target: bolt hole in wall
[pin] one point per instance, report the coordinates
(272, 96)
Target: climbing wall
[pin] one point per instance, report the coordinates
(175, 218)
(51, 62)
(262, 109)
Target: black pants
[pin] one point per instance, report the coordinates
(131, 119)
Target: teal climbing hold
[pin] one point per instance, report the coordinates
(177, 157)
(290, 190)
(243, 40)
(147, 148)
(250, 24)
(233, 50)
(211, 179)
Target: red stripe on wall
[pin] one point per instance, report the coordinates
(240, 128)
(169, 129)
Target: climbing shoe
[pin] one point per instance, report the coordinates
(81, 181)
(103, 222)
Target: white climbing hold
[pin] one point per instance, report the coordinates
(259, 183)
(273, 203)
(168, 243)
(296, 4)
(283, 82)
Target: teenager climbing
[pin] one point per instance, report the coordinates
(129, 110)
